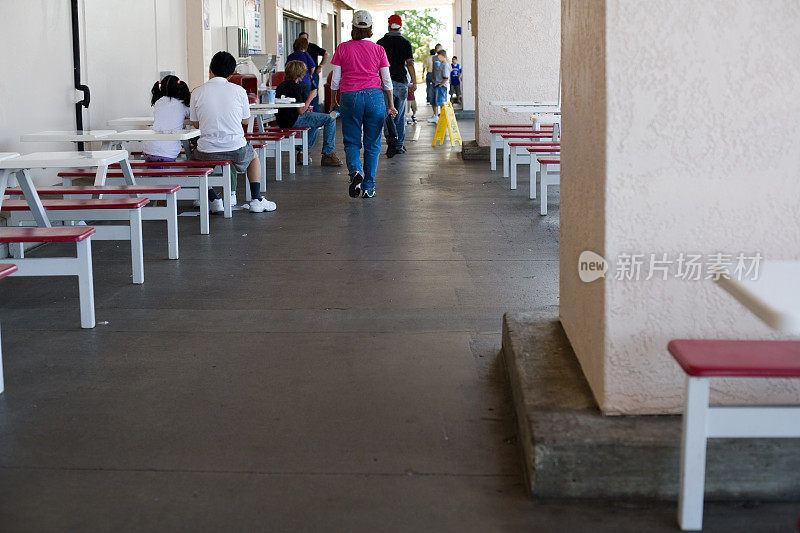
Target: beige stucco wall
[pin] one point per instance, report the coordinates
(702, 155)
(517, 55)
(582, 209)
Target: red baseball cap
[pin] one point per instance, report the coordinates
(395, 20)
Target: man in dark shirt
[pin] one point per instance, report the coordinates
(289, 117)
(320, 57)
(401, 66)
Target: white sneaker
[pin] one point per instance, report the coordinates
(233, 197)
(197, 203)
(261, 205)
(217, 206)
(433, 120)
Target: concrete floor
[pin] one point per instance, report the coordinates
(330, 366)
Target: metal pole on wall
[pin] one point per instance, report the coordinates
(76, 65)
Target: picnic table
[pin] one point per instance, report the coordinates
(115, 140)
(22, 165)
(266, 112)
(66, 136)
(773, 296)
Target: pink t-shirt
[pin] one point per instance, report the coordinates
(361, 62)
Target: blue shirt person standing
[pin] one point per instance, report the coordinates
(301, 54)
(455, 82)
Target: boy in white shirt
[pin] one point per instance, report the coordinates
(220, 109)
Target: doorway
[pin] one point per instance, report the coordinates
(292, 28)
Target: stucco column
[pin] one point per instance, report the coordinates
(517, 56)
(681, 135)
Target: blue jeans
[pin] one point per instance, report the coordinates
(429, 87)
(315, 85)
(363, 109)
(312, 120)
(396, 127)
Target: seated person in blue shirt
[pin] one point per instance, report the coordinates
(293, 117)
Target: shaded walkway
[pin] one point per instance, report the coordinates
(328, 366)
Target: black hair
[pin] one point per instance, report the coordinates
(433, 52)
(455, 57)
(172, 87)
(223, 64)
(303, 33)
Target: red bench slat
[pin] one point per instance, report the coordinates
(301, 129)
(528, 135)
(543, 149)
(6, 270)
(66, 205)
(534, 144)
(65, 234)
(549, 160)
(517, 125)
(101, 189)
(180, 163)
(154, 172)
(732, 358)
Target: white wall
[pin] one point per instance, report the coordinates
(464, 48)
(518, 57)
(125, 45)
(702, 154)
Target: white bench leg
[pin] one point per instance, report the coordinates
(290, 151)
(543, 191)
(86, 283)
(513, 168)
(205, 227)
(693, 455)
(227, 190)
(305, 147)
(278, 162)
(172, 225)
(533, 173)
(505, 158)
(137, 252)
(493, 151)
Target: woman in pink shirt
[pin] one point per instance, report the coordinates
(361, 86)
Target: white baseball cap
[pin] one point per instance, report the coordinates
(362, 19)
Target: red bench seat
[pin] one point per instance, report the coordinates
(528, 135)
(68, 205)
(143, 172)
(518, 126)
(549, 160)
(543, 149)
(189, 163)
(100, 189)
(6, 270)
(743, 359)
(65, 234)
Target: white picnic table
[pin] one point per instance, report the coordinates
(115, 140)
(136, 122)
(773, 296)
(266, 112)
(66, 136)
(21, 166)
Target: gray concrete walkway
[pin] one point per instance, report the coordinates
(331, 366)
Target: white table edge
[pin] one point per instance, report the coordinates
(771, 316)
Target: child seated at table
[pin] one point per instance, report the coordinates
(289, 117)
(220, 109)
(170, 101)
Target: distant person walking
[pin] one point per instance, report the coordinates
(301, 54)
(362, 86)
(320, 57)
(401, 66)
(427, 71)
(455, 82)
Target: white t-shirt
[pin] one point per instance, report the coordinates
(168, 115)
(220, 107)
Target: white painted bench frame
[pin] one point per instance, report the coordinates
(701, 422)
(190, 189)
(507, 150)
(547, 174)
(132, 232)
(80, 266)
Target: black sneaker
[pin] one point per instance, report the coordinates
(355, 184)
(401, 150)
(369, 193)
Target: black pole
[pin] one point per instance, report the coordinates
(76, 65)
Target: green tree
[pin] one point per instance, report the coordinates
(420, 27)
